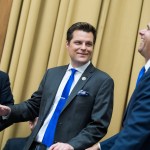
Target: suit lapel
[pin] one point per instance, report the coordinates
(59, 74)
(133, 99)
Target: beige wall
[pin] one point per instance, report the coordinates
(5, 8)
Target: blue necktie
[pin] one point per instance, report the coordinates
(50, 131)
(141, 73)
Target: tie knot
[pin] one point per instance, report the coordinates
(73, 71)
(141, 73)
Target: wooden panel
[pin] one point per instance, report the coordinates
(5, 8)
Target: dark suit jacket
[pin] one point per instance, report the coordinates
(15, 144)
(84, 119)
(6, 97)
(135, 134)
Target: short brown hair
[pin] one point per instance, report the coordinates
(83, 26)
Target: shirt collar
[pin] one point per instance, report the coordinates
(147, 65)
(81, 69)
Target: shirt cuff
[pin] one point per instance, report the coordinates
(99, 146)
(5, 117)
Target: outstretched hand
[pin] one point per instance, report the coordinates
(4, 110)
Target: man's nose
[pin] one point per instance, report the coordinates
(141, 32)
(83, 46)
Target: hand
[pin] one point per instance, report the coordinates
(4, 110)
(61, 146)
(94, 147)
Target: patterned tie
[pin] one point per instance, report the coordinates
(50, 131)
(141, 73)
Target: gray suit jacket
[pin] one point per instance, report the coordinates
(85, 117)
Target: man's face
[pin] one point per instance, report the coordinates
(144, 47)
(80, 48)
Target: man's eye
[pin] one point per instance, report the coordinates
(77, 42)
(89, 44)
(148, 27)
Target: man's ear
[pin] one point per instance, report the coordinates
(30, 125)
(67, 44)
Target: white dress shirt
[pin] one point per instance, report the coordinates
(147, 65)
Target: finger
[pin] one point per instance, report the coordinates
(53, 146)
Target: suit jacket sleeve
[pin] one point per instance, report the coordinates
(26, 110)
(15, 143)
(6, 97)
(100, 117)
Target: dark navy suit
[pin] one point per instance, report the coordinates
(6, 97)
(15, 143)
(135, 133)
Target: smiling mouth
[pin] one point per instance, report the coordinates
(81, 54)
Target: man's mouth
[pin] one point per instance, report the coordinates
(81, 54)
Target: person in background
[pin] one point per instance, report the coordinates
(74, 102)
(6, 97)
(19, 143)
(135, 132)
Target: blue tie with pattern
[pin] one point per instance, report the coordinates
(50, 131)
(141, 73)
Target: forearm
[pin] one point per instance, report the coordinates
(22, 112)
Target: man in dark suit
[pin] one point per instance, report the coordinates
(135, 133)
(19, 143)
(87, 112)
(6, 97)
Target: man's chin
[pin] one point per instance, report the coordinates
(140, 50)
(82, 62)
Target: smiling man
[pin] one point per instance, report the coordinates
(135, 133)
(74, 102)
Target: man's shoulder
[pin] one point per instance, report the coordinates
(3, 74)
(15, 143)
(3, 78)
(19, 139)
(103, 74)
(58, 68)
